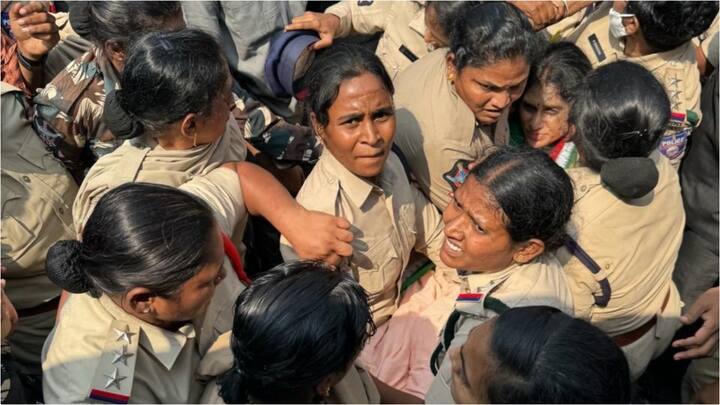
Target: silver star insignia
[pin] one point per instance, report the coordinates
(674, 81)
(113, 379)
(124, 334)
(122, 355)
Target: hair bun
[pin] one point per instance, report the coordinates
(79, 16)
(120, 123)
(62, 267)
(630, 177)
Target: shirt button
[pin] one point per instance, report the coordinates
(583, 188)
(26, 179)
(607, 267)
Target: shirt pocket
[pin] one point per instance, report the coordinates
(376, 265)
(20, 222)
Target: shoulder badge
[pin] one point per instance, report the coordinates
(113, 378)
(362, 3)
(457, 174)
(597, 48)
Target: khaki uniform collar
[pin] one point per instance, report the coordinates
(357, 188)
(476, 282)
(417, 24)
(163, 344)
(652, 61)
(584, 179)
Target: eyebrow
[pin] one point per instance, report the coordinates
(495, 86)
(385, 110)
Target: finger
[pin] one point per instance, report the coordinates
(698, 338)
(40, 28)
(342, 249)
(695, 311)
(697, 351)
(342, 223)
(33, 7)
(344, 236)
(333, 259)
(324, 42)
(37, 18)
(313, 25)
(14, 12)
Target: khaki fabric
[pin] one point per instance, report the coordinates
(166, 363)
(402, 24)
(636, 244)
(676, 70)
(144, 160)
(540, 282)
(435, 128)
(389, 220)
(37, 195)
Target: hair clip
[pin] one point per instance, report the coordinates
(638, 132)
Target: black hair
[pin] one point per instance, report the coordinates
(545, 356)
(139, 235)
(492, 32)
(665, 25)
(334, 65)
(621, 111)
(534, 193)
(297, 324)
(447, 13)
(122, 22)
(562, 66)
(167, 76)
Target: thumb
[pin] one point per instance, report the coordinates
(693, 313)
(324, 42)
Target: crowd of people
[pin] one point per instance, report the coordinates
(360, 202)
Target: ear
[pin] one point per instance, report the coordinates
(451, 69)
(319, 130)
(528, 251)
(139, 301)
(631, 24)
(116, 53)
(571, 132)
(189, 125)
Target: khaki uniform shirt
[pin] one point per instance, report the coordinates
(675, 69)
(357, 387)
(540, 282)
(84, 350)
(37, 195)
(144, 160)
(435, 128)
(389, 220)
(635, 243)
(402, 24)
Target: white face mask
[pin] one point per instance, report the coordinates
(617, 29)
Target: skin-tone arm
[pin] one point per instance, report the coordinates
(36, 34)
(9, 315)
(544, 13)
(390, 395)
(313, 235)
(702, 343)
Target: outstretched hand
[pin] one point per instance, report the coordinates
(702, 343)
